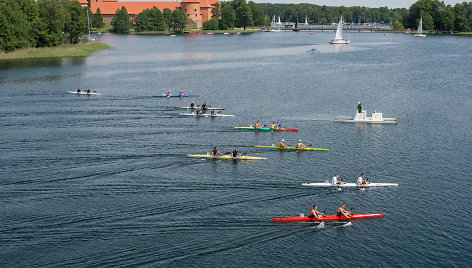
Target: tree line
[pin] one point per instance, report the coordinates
(437, 16)
(30, 23)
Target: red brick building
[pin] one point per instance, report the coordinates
(197, 11)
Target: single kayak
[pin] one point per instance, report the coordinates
(84, 93)
(266, 129)
(221, 115)
(291, 148)
(329, 218)
(194, 108)
(173, 96)
(327, 184)
(228, 157)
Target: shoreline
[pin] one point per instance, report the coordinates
(79, 50)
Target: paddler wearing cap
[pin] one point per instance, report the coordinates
(300, 145)
(359, 107)
(282, 144)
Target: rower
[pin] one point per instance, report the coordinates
(300, 145)
(316, 214)
(342, 212)
(235, 153)
(215, 152)
(359, 107)
(88, 91)
(78, 90)
(181, 93)
(274, 126)
(204, 105)
(361, 181)
(335, 181)
(257, 125)
(282, 144)
(168, 93)
(197, 111)
(212, 112)
(192, 105)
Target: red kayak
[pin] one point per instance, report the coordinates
(330, 218)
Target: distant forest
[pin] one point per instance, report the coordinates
(436, 15)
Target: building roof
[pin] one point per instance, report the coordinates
(134, 8)
(190, 1)
(205, 3)
(83, 2)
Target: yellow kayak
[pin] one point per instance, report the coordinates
(228, 157)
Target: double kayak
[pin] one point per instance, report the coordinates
(291, 148)
(266, 129)
(228, 157)
(194, 108)
(208, 115)
(84, 93)
(327, 184)
(173, 96)
(329, 218)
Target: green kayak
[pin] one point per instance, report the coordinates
(292, 148)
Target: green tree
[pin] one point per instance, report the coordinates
(97, 19)
(121, 22)
(76, 25)
(228, 16)
(257, 14)
(428, 22)
(157, 19)
(168, 17)
(180, 20)
(53, 16)
(397, 25)
(14, 27)
(244, 16)
(211, 24)
(216, 10)
(143, 21)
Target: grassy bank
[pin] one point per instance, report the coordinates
(78, 50)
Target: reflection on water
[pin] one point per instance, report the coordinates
(41, 62)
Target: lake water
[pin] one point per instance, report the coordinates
(105, 180)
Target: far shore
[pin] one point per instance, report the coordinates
(193, 31)
(78, 50)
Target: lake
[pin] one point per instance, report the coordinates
(105, 180)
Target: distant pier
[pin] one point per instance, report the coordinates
(333, 28)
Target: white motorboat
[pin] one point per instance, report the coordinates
(327, 184)
(376, 118)
(419, 32)
(338, 39)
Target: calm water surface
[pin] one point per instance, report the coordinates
(105, 181)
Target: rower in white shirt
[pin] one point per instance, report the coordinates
(361, 181)
(335, 181)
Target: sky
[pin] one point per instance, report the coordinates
(366, 3)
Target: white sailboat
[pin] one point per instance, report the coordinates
(338, 39)
(279, 23)
(419, 33)
(306, 21)
(88, 26)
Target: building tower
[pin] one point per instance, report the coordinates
(193, 13)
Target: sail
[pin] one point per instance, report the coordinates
(420, 26)
(279, 23)
(339, 31)
(306, 21)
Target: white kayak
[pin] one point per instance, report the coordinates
(83, 93)
(327, 184)
(195, 115)
(221, 115)
(209, 108)
(376, 118)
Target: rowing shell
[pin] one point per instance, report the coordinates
(327, 184)
(266, 129)
(194, 108)
(83, 93)
(221, 115)
(173, 96)
(292, 148)
(329, 218)
(228, 157)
